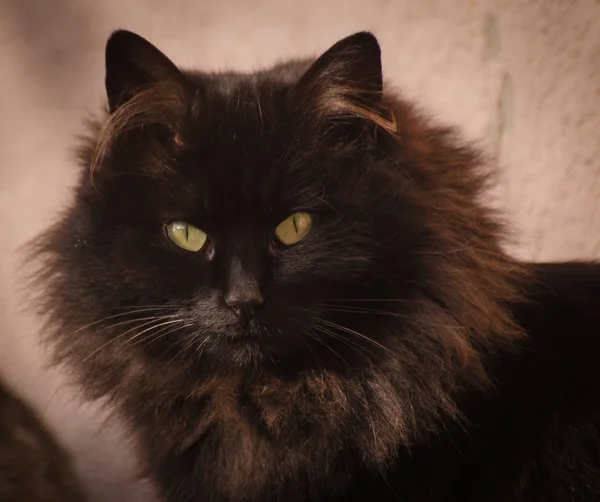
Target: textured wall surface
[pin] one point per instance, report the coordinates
(520, 77)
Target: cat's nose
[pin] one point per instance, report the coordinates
(243, 292)
(245, 308)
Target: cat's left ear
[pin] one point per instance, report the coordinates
(133, 64)
(346, 81)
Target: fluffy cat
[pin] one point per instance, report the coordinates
(288, 286)
(33, 468)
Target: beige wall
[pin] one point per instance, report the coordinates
(522, 77)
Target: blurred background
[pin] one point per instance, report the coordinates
(519, 77)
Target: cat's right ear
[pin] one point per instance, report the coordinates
(134, 64)
(146, 92)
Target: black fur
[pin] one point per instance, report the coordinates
(400, 354)
(33, 467)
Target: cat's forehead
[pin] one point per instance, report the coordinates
(243, 144)
(243, 153)
(232, 83)
(240, 107)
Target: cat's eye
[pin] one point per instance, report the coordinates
(294, 228)
(186, 236)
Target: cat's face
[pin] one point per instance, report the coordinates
(252, 217)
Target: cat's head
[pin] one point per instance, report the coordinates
(287, 219)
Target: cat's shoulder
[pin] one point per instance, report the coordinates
(562, 313)
(561, 318)
(548, 405)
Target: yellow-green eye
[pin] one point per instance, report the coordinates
(186, 236)
(294, 228)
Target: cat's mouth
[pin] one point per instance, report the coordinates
(290, 337)
(249, 342)
(246, 331)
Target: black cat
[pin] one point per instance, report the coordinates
(33, 467)
(286, 283)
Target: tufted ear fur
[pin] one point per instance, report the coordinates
(134, 64)
(346, 81)
(145, 91)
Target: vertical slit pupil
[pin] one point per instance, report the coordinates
(187, 232)
(294, 223)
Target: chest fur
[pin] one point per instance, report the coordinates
(241, 441)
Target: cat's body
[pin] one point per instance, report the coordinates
(535, 436)
(33, 467)
(532, 438)
(377, 344)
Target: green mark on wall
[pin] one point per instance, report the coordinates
(503, 118)
(491, 37)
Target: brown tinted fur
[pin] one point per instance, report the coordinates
(474, 279)
(156, 104)
(252, 431)
(33, 467)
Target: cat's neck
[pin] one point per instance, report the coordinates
(245, 432)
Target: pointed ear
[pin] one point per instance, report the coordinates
(134, 64)
(346, 81)
(146, 93)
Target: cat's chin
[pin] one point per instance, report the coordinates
(252, 346)
(248, 333)
(240, 345)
